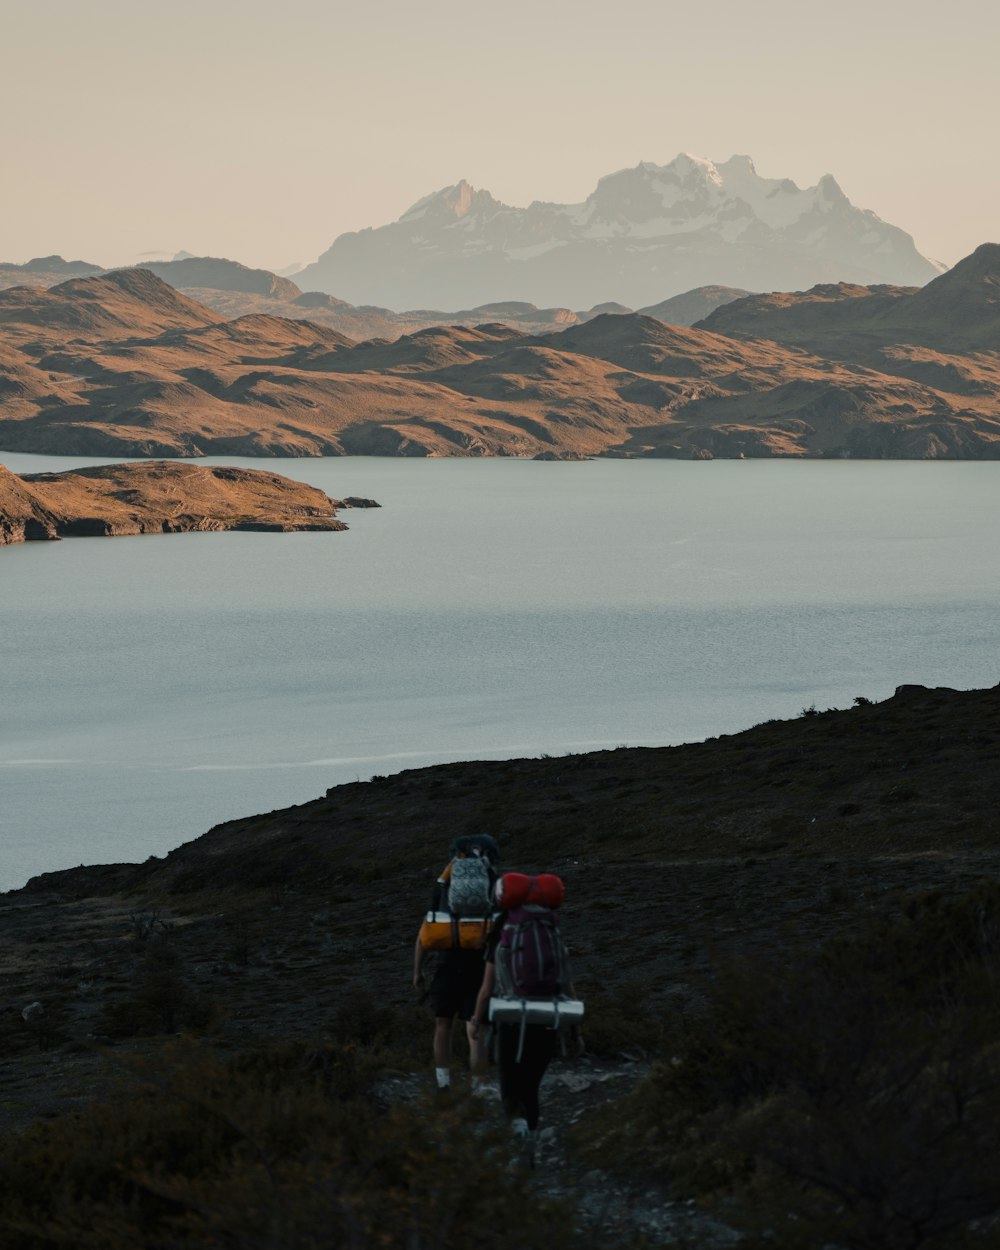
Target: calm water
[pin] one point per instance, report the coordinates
(150, 687)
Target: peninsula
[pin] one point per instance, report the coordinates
(159, 498)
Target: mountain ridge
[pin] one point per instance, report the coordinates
(235, 290)
(643, 234)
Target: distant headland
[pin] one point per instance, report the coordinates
(159, 498)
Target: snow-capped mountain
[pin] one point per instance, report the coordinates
(642, 235)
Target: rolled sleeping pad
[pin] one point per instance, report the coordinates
(512, 889)
(552, 1012)
(517, 889)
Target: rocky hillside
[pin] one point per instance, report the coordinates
(122, 364)
(157, 498)
(958, 313)
(642, 235)
(788, 831)
(858, 840)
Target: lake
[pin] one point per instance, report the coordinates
(153, 686)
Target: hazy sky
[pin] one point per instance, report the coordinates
(261, 130)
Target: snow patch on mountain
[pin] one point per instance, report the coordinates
(642, 235)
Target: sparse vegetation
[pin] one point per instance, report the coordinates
(848, 1096)
(278, 1150)
(161, 1001)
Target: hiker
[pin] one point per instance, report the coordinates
(457, 928)
(542, 987)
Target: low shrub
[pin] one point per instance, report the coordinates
(399, 1036)
(619, 1019)
(161, 1000)
(280, 1150)
(849, 1097)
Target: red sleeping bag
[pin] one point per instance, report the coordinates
(517, 889)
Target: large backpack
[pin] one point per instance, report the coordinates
(531, 959)
(460, 917)
(533, 983)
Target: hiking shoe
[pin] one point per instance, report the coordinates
(529, 1152)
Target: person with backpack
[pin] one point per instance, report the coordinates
(527, 992)
(457, 928)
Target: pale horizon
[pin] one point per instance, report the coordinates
(235, 130)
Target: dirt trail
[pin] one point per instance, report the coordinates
(621, 1210)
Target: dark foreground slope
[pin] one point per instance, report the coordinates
(735, 843)
(294, 930)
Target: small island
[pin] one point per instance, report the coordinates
(159, 497)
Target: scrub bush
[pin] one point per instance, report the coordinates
(618, 1019)
(849, 1097)
(161, 1000)
(279, 1150)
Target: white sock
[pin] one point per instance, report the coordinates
(519, 1127)
(443, 1077)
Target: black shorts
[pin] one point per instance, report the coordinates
(455, 984)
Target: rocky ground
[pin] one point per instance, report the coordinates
(620, 1210)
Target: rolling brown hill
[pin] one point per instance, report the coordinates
(122, 364)
(959, 312)
(126, 304)
(217, 273)
(235, 290)
(156, 498)
(45, 271)
(693, 306)
(368, 321)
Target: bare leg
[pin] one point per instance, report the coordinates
(442, 1041)
(477, 1053)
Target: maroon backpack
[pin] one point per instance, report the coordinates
(531, 960)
